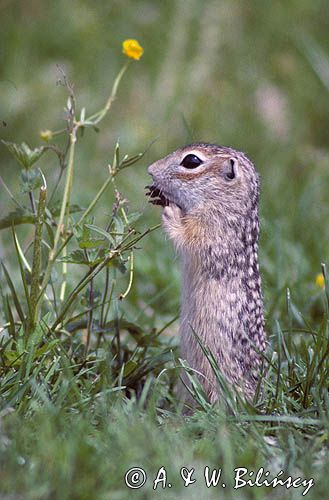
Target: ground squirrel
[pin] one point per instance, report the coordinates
(210, 197)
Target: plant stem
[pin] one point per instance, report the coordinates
(81, 286)
(106, 288)
(90, 275)
(64, 277)
(36, 264)
(95, 200)
(109, 302)
(86, 212)
(64, 208)
(90, 315)
(97, 117)
(131, 276)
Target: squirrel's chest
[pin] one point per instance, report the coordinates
(210, 305)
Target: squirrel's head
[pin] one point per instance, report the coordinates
(205, 179)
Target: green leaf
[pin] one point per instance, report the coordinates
(116, 159)
(93, 258)
(9, 317)
(119, 264)
(119, 225)
(50, 232)
(91, 243)
(136, 331)
(22, 216)
(48, 347)
(101, 231)
(18, 216)
(83, 115)
(130, 160)
(33, 343)
(75, 257)
(30, 180)
(12, 358)
(129, 367)
(20, 344)
(14, 294)
(84, 237)
(56, 209)
(23, 154)
(22, 269)
(133, 217)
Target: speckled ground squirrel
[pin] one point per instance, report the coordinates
(210, 196)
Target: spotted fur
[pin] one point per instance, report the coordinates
(214, 225)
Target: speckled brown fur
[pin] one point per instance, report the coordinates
(213, 222)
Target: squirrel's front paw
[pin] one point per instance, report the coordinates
(172, 214)
(172, 220)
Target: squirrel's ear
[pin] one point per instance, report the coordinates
(230, 169)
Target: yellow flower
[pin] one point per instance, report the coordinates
(46, 135)
(132, 49)
(319, 280)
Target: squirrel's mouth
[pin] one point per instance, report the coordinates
(156, 196)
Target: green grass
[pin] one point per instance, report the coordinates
(87, 371)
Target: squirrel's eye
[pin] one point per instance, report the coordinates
(191, 161)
